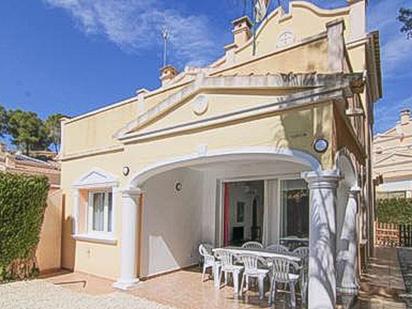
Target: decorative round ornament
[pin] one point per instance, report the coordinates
(200, 105)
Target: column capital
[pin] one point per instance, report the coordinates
(323, 179)
(354, 191)
(131, 192)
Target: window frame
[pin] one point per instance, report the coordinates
(90, 211)
(282, 214)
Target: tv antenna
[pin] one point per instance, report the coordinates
(165, 36)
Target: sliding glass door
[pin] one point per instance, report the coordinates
(243, 212)
(268, 211)
(294, 196)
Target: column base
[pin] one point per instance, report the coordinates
(349, 290)
(126, 285)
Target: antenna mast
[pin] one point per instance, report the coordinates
(165, 36)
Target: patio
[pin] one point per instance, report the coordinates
(181, 289)
(380, 288)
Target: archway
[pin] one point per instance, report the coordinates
(347, 224)
(160, 179)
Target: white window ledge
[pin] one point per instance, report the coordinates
(101, 239)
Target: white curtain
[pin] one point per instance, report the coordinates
(270, 233)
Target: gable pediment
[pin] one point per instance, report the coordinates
(96, 178)
(204, 99)
(394, 158)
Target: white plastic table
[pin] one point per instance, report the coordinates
(259, 252)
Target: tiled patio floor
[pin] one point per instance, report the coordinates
(380, 288)
(181, 289)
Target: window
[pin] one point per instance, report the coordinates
(295, 208)
(100, 218)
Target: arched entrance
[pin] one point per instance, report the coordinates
(160, 181)
(171, 191)
(348, 222)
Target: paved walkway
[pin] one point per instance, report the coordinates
(383, 284)
(405, 259)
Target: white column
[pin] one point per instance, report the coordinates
(128, 251)
(322, 238)
(349, 283)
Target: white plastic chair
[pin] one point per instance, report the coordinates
(251, 263)
(275, 248)
(227, 267)
(252, 245)
(284, 270)
(303, 253)
(209, 261)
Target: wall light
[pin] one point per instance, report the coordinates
(320, 145)
(126, 170)
(178, 186)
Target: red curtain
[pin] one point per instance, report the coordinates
(226, 217)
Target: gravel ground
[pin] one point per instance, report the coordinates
(39, 294)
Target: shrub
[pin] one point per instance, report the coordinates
(22, 206)
(395, 210)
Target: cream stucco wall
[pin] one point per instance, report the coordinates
(313, 19)
(291, 129)
(48, 252)
(89, 141)
(392, 154)
(272, 130)
(84, 255)
(172, 221)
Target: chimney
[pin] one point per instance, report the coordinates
(405, 116)
(242, 30)
(167, 73)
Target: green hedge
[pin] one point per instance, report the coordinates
(395, 210)
(23, 201)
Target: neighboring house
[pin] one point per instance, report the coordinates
(234, 151)
(392, 159)
(49, 249)
(22, 164)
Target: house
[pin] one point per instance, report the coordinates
(392, 159)
(269, 142)
(22, 164)
(48, 251)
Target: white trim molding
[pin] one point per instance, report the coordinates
(96, 178)
(317, 86)
(258, 153)
(100, 239)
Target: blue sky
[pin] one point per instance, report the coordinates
(73, 56)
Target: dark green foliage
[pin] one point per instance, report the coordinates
(22, 206)
(397, 211)
(26, 130)
(53, 129)
(3, 121)
(405, 17)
